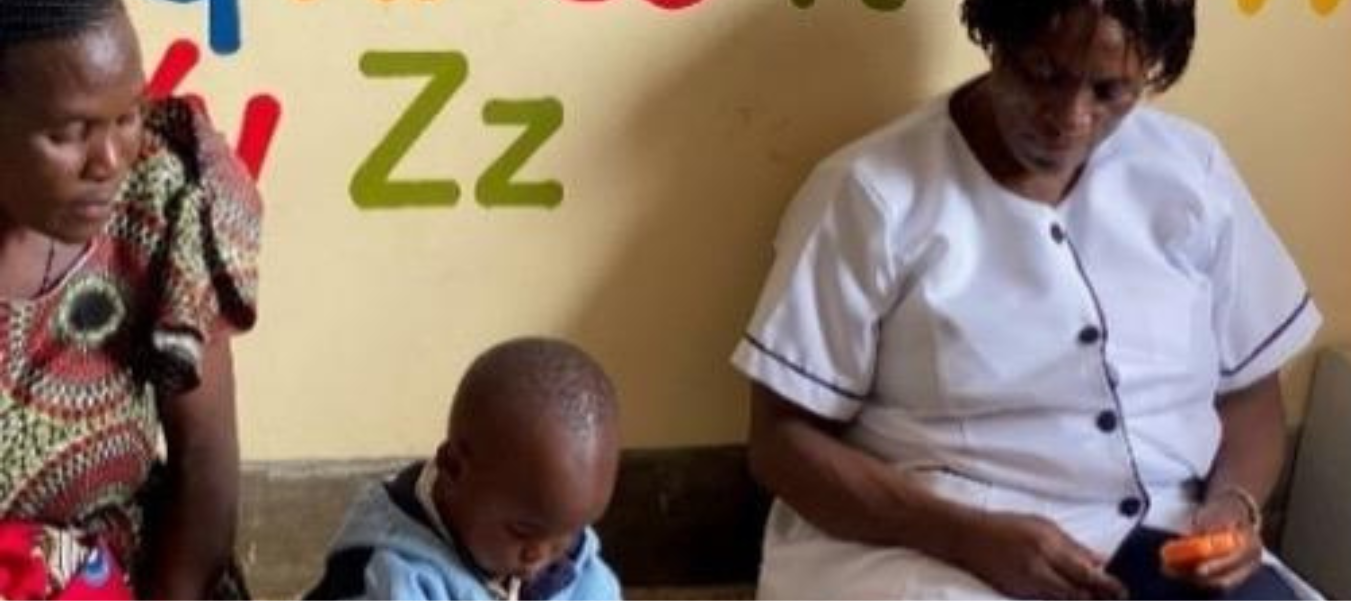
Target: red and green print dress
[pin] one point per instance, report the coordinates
(82, 365)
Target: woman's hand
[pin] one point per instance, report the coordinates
(1226, 512)
(1246, 467)
(1028, 556)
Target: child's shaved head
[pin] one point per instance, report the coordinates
(532, 454)
(525, 380)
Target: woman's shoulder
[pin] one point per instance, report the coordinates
(191, 212)
(170, 158)
(166, 168)
(883, 179)
(889, 160)
(1176, 163)
(1168, 136)
(185, 162)
(900, 143)
(890, 166)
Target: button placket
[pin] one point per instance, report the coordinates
(1057, 233)
(1113, 376)
(1130, 506)
(1090, 335)
(1093, 335)
(1107, 421)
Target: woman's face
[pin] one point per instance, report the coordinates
(70, 128)
(1059, 96)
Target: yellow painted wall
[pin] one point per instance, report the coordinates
(685, 132)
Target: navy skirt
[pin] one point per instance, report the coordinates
(1136, 563)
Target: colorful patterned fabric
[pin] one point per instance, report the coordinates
(38, 562)
(81, 365)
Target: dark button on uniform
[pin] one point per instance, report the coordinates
(1130, 507)
(1089, 335)
(1057, 233)
(1107, 421)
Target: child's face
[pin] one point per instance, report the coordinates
(518, 510)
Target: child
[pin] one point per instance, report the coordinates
(503, 512)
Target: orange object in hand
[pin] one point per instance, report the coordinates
(1186, 553)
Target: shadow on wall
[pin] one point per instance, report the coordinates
(736, 130)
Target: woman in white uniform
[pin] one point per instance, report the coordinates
(1015, 340)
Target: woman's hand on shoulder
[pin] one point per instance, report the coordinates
(1027, 556)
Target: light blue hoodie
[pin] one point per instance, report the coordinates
(401, 556)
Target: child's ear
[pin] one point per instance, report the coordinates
(450, 459)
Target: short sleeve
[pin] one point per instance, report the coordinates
(813, 338)
(1263, 311)
(205, 248)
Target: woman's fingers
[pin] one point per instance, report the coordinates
(1082, 568)
(1051, 584)
(1229, 571)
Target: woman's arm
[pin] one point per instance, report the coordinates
(855, 496)
(842, 490)
(1252, 452)
(193, 539)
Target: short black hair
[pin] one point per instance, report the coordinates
(33, 20)
(1163, 29)
(541, 378)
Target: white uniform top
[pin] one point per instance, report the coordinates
(1012, 355)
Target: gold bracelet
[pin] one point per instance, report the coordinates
(1249, 502)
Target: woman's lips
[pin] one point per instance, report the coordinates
(92, 210)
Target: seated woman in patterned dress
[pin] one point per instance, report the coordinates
(128, 239)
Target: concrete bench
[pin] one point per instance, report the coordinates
(684, 522)
(687, 522)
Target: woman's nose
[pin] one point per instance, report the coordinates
(105, 157)
(1071, 111)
